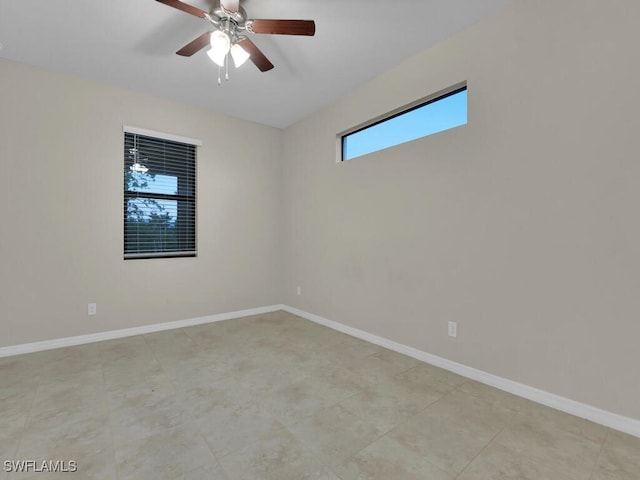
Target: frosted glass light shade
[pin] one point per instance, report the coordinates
(239, 54)
(216, 58)
(138, 168)
(220, 44)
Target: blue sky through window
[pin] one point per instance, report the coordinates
(155, 183)
(166, 184)
(440, 115)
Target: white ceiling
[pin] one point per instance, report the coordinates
(131, 43)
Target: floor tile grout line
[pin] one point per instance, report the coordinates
(458, 388)
(213, 454)
(405, 420)
(153, 353)
(480, 452)
(109, 417)
(595, 464)
(519, 413)
(27, 419)
(401, 422)
(254, 442)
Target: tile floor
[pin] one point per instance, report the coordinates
(277, 397)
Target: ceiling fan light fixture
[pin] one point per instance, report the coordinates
(239, 55)
(230, 22)
(220, 44)
(138, 168)
(216, 57)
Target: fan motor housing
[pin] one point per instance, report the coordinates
(219, 14)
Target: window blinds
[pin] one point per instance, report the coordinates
(159, 196)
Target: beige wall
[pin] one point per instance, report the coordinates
(62, 230)
(522, 226)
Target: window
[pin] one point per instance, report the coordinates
(435, 114)
(159, 195)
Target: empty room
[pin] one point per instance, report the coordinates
(337, 240)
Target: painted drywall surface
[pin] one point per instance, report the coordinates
(522, 226)
(62, 227)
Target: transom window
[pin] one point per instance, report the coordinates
(431, 115)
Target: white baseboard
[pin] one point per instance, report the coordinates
(597, 415)
(129, 332)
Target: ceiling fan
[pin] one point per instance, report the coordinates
(229, 36)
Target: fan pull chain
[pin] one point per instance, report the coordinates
(226, 66)
(219, 80)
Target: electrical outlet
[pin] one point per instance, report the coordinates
(91, 309)
(453, 329)
(299, 290)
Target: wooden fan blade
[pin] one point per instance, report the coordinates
(184, 7)
(256, 56)
(231, 6)
(196, 45)
(283, 27)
